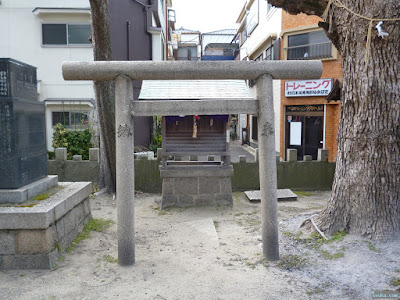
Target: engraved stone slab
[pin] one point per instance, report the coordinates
(283, 195)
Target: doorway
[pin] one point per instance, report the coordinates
(304, 126)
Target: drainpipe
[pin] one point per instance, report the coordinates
(128, 34)
(166, 29)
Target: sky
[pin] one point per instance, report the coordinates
(207, 15)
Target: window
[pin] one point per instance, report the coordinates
(66, 34)
(269, 53)
(70, 119)
(252, 18)
(309, 45)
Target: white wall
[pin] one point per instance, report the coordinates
(270, 22)
(21, 39)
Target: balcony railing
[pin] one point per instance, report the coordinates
(311, 51)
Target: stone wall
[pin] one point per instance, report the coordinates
(301, 175)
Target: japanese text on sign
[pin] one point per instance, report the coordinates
(306, 88)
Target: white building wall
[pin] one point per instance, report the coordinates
(21, 39)
(270, 23)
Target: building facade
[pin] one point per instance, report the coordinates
(259, 39)
(306, 113)
(308, 120)
(43, 34)
(141, 30)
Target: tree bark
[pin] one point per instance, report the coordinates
(104, 92)
(365, 198)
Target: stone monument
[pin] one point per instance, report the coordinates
(23, 157)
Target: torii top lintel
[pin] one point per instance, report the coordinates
(173, 70)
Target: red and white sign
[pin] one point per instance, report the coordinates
(307, 88)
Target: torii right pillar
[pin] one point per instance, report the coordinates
(267, 168)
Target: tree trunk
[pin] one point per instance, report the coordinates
(104, 94)
(365, 197)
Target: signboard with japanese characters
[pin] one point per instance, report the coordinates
(307, 88)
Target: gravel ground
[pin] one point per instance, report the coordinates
(213, 253)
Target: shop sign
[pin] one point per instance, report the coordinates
(307, 88)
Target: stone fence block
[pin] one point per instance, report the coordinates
(77, 157)
(159, 153)
(242, 158)
(323, 154)
(94, 154)
(61, 154)
(291, 155)
(307, 157)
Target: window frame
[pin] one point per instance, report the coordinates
(71, 117)
(301, 30)
(67, 45)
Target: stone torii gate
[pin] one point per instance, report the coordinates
(123, 72)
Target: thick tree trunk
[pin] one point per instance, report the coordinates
(104, 94)
(365, 197)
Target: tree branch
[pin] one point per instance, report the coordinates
(309, 7)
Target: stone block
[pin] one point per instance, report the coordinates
(70, 222)
(204, 199)
(185, 200)
(7, 242)
(223, 199)
(60, 228)
(168, 186)
(168, 201)
(210, 157)
(186, 186)
(159, 153)
(209, 185)
(77, 157)
(323, 154)
(242, 158)
(226, 185)
(291, 155)
(86, 206)
(29, 261)
(61, 154)
(94, 154)
(35, 241)
(307, 157)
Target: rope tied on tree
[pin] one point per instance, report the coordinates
(328, 12)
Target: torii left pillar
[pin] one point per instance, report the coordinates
(125, 170)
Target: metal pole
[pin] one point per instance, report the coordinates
(124, 170)
(267, 167)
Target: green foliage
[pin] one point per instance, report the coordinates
(76, 142)
(395, 282)
(156, 140)
(51, 154)
(59, 136)
(303, 193)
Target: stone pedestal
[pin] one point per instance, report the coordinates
(196, 185)
(32, 237)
